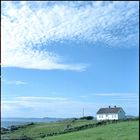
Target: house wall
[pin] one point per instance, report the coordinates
(111, 116)
(121, 114)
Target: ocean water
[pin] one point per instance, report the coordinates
(6, 122)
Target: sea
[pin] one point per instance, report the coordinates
(6, 122)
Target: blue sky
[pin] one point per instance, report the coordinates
(61, 57)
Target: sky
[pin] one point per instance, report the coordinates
(59, 57)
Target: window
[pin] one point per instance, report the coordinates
(100, 116)
(113, 116)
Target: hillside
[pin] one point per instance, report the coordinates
(127, 130)
(119, 131)
(37, 130)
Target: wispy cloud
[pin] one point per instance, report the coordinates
(115, 94)
(16, 82)
(46, 106)
(41, 106)
(128, 97)
(34, 98)
(26, 24)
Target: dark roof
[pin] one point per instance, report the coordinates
(108, 110)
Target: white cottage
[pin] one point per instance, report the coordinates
(110, 113)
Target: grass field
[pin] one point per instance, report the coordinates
(121, 131)
(44, 128)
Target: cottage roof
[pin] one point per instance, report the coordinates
(108, 110)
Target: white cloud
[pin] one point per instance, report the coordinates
(116, 94)
(119, 96)
(41, 106)
(126, 99)
(33, 98)
(16, 82)
(46, 106)
(25, 25)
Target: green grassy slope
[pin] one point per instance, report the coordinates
(36, 130)
(119, 131)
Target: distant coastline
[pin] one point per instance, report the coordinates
(6, 122)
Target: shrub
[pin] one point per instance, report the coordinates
(136, 118)
(30, 124)
(42, 135)
(74, 118)
(4, 130)
(87, 118)
(24, 137)
(13, 127)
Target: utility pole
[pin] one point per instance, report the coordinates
(83, 112)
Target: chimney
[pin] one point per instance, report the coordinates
(109, 106)
(114, 106)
